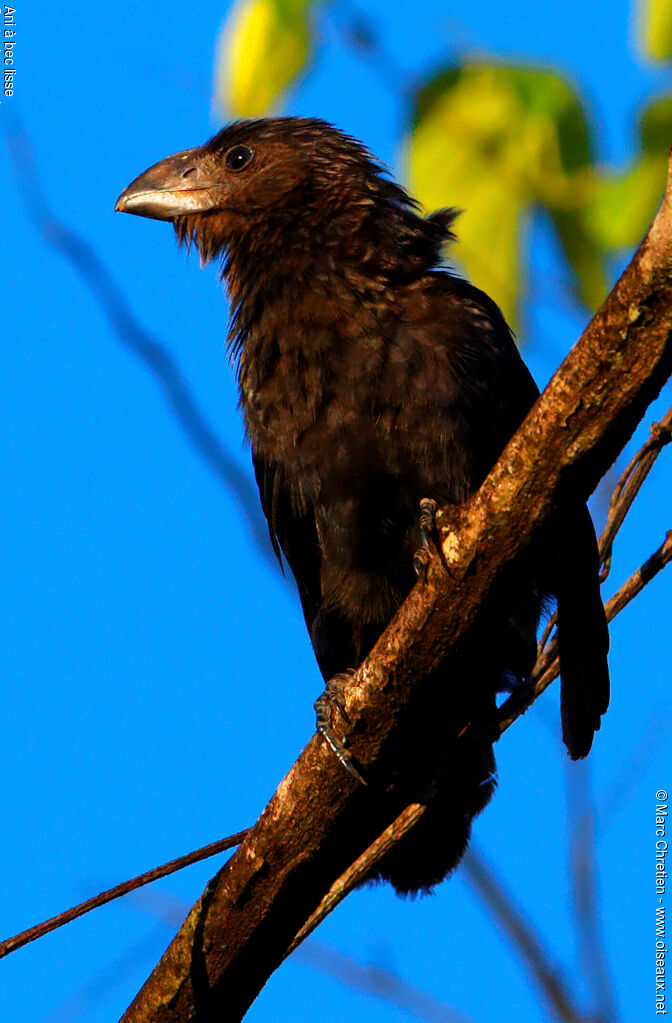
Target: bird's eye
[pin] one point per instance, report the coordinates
(238, 158)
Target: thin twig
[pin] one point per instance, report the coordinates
(19, 940)
(612, 801)
(361, 37)
(80, 1002)
(629, 485)
(585, 893)
(552, 982)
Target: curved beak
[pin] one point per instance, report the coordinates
(171, 188)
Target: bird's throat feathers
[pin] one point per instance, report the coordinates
(332, 223)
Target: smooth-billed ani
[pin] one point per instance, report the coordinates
(371, 378)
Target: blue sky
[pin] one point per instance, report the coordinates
(158, 679)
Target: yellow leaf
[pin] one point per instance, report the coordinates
(656, 28)
(626, 201)
(263, 47)
(496, 141)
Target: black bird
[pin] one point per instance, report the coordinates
(371, 378)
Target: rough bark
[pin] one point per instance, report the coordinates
(319, 821)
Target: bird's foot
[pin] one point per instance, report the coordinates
(428, 533)
(329, 702)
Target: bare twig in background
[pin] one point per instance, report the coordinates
(614, 798)
(551, 981)
(636, 583)
(585, 893)
(361, 36)
(376, 981)
(105, 981)
(81, 255)
(168, 912)
(629, 485)
(19, 940)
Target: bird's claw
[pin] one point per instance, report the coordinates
(332, 700)
(421, 563)
(428, 508)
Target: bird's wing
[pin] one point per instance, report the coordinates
(293, 533)
(567, 549)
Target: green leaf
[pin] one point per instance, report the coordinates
(625, 203)
(656, 29)
(263, 47)
(498, 140)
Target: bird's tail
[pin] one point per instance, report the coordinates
(582, 634)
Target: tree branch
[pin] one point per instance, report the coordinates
(319, 820)
(552, 983)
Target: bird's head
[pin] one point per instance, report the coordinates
(283, 186)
